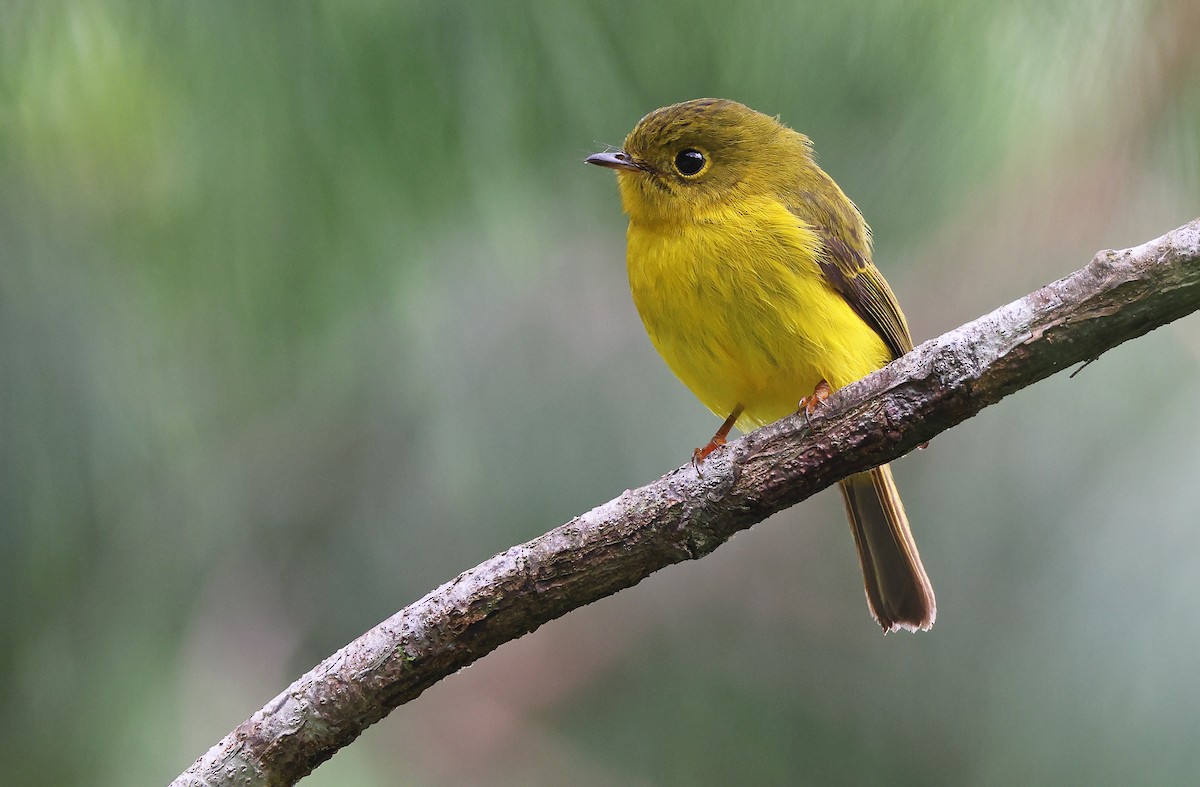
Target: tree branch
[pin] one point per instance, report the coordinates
(1119, 296)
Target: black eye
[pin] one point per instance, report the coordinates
(689, 161)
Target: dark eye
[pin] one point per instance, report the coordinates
(689, 161)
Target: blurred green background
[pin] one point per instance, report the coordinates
(306, 307)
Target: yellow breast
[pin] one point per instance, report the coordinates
(737, 306)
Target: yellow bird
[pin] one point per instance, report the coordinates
(752, 273)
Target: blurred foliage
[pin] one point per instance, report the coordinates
(305, 307)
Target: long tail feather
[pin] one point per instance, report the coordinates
(898, 590)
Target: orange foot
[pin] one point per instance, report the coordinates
(700, 454)
(718, 440)
(809, 404)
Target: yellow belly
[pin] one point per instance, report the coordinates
(740, 311)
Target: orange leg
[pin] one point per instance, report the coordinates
(718, 440)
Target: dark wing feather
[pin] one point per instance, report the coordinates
(846, 258)
(862, 285)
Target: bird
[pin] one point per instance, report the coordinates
(752, 273)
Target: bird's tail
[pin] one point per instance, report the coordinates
(898, 591)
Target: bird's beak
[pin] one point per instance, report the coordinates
(616, 160)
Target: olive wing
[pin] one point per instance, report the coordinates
(848, 269)
(857, 279)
